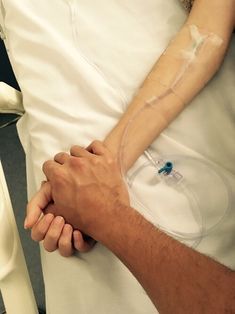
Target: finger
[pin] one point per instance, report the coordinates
(78, 151)
(40, 229)
(65, 241)
(80, 244)
(61, 158)
(51, 168)
(52, 236)
(98, 148)
(37, 204)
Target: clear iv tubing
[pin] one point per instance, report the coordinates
(180, 236)
(151, 104)
(185, 236)
(197, 236)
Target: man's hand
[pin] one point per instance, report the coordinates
(72, 180)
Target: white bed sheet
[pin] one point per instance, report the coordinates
(78, 64)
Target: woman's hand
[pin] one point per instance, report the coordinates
(56, 234)
(54, 231)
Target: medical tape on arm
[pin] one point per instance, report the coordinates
(182, 71)
(185, 68)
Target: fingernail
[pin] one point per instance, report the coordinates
(67, 229)
(59, 220)
(49, 217)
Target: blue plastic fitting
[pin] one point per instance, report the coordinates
(167, 168)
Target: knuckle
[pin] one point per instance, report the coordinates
(34, 237)
(110, 161)
(73, 148)
(41, 233)
(52, 236)
(95, 142)
(65, 253)
(65, 247)
(46, 165)
(61, 155)
(57, 155)
(64, 242)
(37, 235)
(48, 248)
(77, 163)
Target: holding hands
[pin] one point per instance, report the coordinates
(81, 191)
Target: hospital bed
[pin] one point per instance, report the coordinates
(94, 90)
(15, 283)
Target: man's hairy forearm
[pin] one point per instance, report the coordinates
(176, 278)
(90, 194)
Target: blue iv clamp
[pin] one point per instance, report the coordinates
(167, 168)
(166, 171)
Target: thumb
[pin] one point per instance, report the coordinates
(37, 204)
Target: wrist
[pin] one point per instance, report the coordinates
(107, 225)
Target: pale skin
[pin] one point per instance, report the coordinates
(176, 278)
(58, 234)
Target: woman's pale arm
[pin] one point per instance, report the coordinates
(189, 62)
